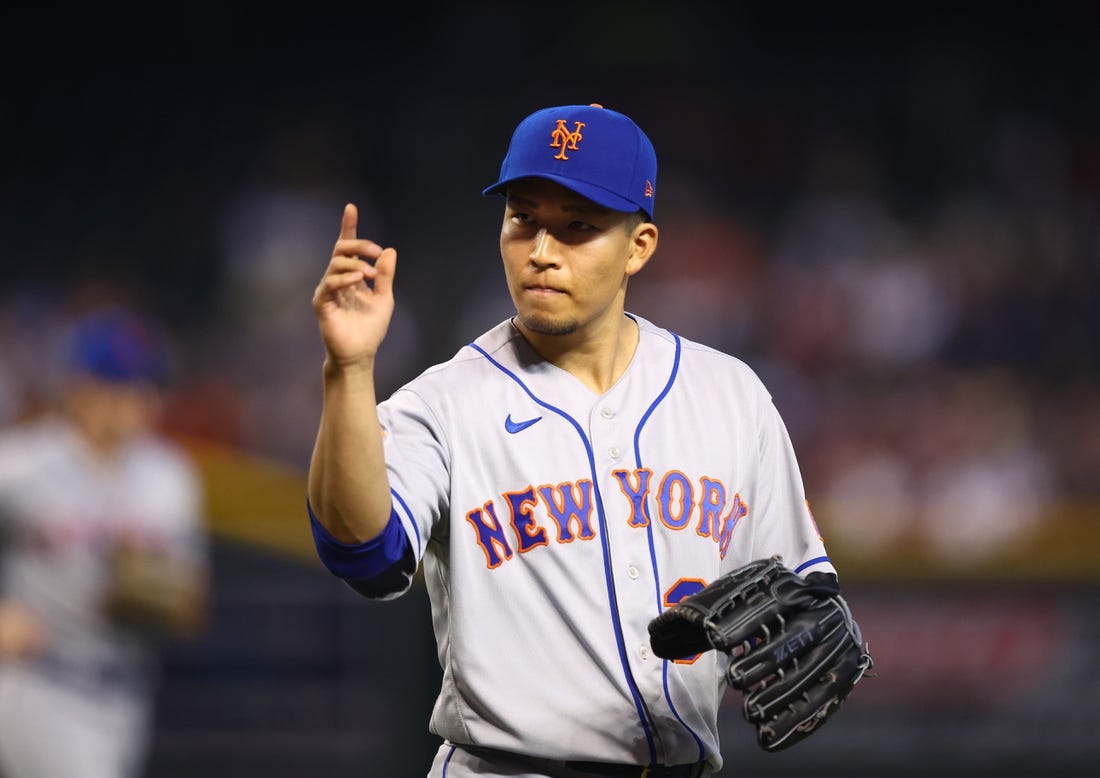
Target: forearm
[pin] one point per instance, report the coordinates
(348, 487)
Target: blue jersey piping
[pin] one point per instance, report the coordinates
(639, 705)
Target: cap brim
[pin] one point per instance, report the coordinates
(596, 194)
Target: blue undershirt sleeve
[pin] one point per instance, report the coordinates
(363, 561)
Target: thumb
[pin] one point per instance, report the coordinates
(386, 265)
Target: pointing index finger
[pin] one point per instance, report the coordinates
(350, 222)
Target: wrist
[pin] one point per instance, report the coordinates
(352, 369)
(349, 378)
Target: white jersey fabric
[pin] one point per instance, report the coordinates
(84, 707)
(553, 524)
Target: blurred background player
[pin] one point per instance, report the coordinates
(103, 556)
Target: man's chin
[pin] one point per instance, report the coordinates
(544, 325)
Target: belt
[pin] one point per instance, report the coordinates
(613, 770)
(592, 768)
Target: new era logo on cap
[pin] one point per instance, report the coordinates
(596, 152)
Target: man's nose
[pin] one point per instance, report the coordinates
(544, 251)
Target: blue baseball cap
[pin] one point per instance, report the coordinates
(596, 152)
(116, 345)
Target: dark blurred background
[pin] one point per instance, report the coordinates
(891, 212)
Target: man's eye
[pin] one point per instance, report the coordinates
(581, 226)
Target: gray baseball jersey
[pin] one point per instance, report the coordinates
(554, 524)
(83, 707)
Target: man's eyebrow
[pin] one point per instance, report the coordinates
(514, 199)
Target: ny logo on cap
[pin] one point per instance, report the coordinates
(564, 139)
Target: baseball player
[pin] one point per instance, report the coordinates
(563, 479)
(102, 556)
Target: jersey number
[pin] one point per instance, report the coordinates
(684, 587)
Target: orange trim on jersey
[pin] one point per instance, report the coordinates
(528, 531)
(738, 510)
(664, 499)
(712, 502)
(561, 502)
(490, 535)
(681, 588)
(639, 513)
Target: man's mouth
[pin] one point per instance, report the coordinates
(543, 289)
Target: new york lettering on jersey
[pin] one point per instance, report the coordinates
(564, 506)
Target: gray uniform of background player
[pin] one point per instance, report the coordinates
(83, 707)
(553, 648)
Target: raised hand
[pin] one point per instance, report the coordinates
(354, 299)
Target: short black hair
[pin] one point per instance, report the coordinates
(634, 219)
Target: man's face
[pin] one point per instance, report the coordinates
(112, 413)
(567, 259)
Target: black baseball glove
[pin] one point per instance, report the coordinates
(795, 650)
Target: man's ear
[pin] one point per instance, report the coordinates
(643, 243)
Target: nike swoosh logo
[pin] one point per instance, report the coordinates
(518, 426)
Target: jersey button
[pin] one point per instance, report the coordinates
(615, 452)
(607, 413)
(632, 571)
(643, 652)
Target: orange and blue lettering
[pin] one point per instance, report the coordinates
(737, 511)
(675, 481)
(490, 535)
(636, 492)
(529, 533)
(680, 590)
(710, 506)
(564, 509)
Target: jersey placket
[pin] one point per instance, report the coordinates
(611, 434)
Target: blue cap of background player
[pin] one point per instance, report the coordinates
(116, 345)
(596, 152)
